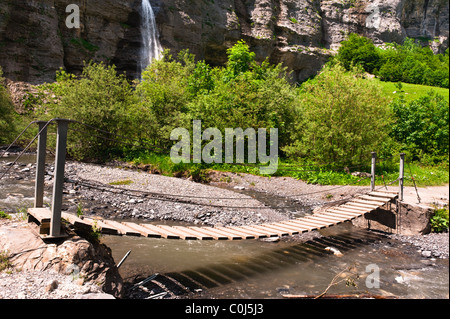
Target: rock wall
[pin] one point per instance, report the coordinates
(302, 34)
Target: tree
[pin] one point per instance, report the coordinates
(341, 118)
(7, 114)
(99, 97)
(359, 50)
(422, 126)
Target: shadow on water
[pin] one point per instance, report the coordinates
(255, 269)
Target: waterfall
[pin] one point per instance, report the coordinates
(151, 48)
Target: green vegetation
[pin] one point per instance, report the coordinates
(7, 114)
(408, 62)
(439, 222)
(341, 119)
(409, 91)
(5, 263)
(122, 183)
(4, 215)
(328, 126)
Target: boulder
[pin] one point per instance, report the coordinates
(74, 256)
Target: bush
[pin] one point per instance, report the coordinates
(409, 62)
(164, 93)
(358, 50)
(422, 127)
(7, 114)
(246, 94)
(341, 118)
(439, 222)
(98, 97)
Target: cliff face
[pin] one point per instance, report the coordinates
(35, 41)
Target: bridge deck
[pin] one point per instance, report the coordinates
(332, 216)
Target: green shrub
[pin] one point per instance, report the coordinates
(422, 127)
(163, 95)
(98, 97)
(341, 118)
(408, 62)
(439, 222)
(359, 50)
(7, 114)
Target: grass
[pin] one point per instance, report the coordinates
(4, 215)
(4, 261)
(411, 91)
(122, 183)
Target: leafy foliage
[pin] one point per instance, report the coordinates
(439, 222)
(7, 113)
(98, 97)
(409, 62)
(341, 118)
(358, 50)
(422, 127)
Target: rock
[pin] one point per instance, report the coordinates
(426, 254)
(75, 255)
(52, 286)
(300, 34)
(97, 296)
(335, 251)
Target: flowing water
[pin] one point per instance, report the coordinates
(151, 47)
(257, 269)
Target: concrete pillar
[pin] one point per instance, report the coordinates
(374, 163)
(58, 184)
(40, 166)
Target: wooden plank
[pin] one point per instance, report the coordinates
(104, 228)
(383, 195)
(279, 230)
(235, 232)
(362, 205)
(190, 231)
(303, 227)
(353, 210)
(296, 229)
(338, 215)
(366, 202)
(378, 200)
(224, 233)
(338, 219)
(272, 231)
(210, 232)
(178, 232)
(388, 192)
(364, 210)
(123, 229)
(255, 231)
(345, 213)
(42, 215)
(314, 222)
(267, 232)
(143, 231)
(304, 224)
(321, 220)
(164, 233)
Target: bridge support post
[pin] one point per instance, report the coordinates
(402, 175)
(40, 166)
(374, 163)
(58, 184)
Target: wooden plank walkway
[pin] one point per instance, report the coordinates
(331, 216)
